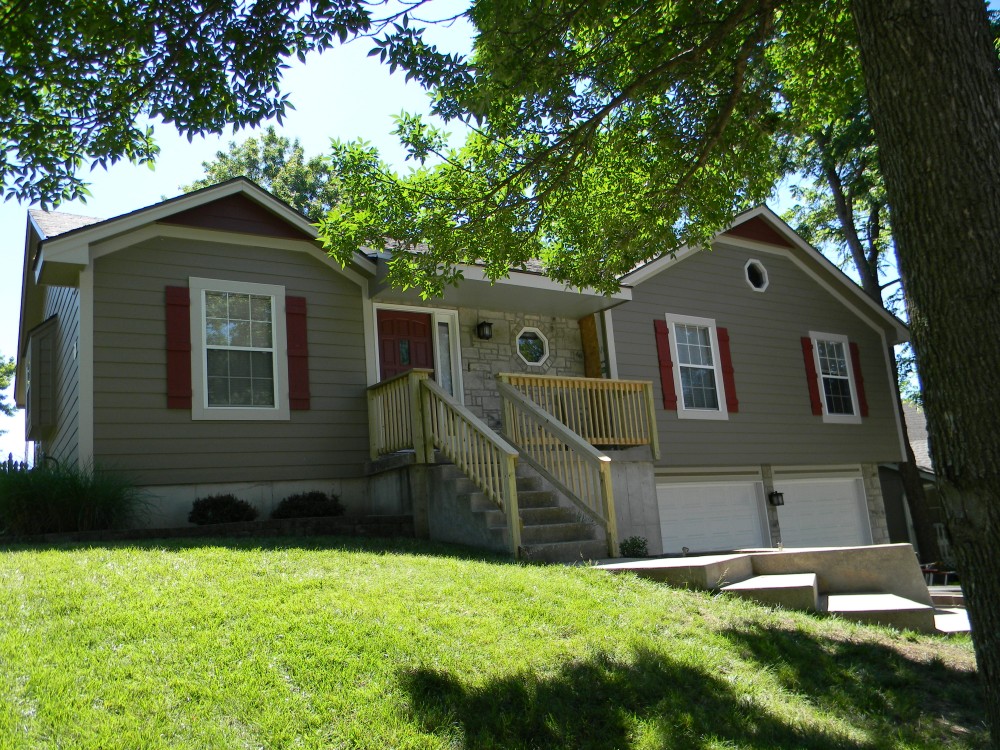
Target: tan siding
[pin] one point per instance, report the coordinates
(62, 442)
(134, 429)
(775, 423)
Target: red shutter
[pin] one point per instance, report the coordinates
(662, 332)
(859, 381)
(178, 347)
(811, 377)
(728, 376)
(298, 353)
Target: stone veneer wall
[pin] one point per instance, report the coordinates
(482, 360)
(876, 506)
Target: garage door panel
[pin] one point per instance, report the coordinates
(709, 516)
(823, 513)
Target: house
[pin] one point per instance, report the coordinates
(206, 343)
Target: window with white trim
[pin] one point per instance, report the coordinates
(239, 364)
(834, 368)
(694, 345)
(532, 347)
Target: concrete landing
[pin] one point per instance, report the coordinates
(791, 590)
(883, 609)
(708, 572)
(952, 620)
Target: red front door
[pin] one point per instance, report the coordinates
(404, 342)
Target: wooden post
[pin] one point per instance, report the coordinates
(428, 427)
(608, 498)
(374, 422)
(654, 433)
(416, 416)
(510, 505)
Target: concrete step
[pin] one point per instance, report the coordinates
(465, 486)
(790, 591)
(882, 609)
(529, 499)
(531, 516)
(707, 572)
(576, 551)
(557, 532)
(947, 596)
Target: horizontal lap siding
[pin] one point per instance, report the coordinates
(62, 442)
(134, 430)
(775, 423)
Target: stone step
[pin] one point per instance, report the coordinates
(882, 609)
(790, 590)
(566, 552)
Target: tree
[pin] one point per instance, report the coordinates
(280, 167)
(7, 368)
(78, 79)
(845, 209)
(615, 130)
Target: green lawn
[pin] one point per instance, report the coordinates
(330, 643)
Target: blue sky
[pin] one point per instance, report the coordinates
(340, 94)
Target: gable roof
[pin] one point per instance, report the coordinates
(762, 229)
(53, 223)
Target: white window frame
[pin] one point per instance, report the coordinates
(199, 359)
(438, 315)
(545, 346)
(855, 418)
(684, 412)
(763, 273)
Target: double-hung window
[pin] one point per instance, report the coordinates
(697, 372)
(239, 364)
(834, 369)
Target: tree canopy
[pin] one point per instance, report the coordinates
(7, 368)
(82, 81)
(280, 167)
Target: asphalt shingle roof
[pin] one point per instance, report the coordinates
(54, 223)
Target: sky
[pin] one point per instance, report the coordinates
(341, 93)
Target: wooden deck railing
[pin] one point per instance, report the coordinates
(395, 418)
(603, 412)
(411, 411)
(563, 457)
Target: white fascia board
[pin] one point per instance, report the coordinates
(855, 293)
(68, 249)
(29, 296)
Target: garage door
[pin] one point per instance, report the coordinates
(823, 512)
(707, 516)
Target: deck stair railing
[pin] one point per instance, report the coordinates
(411, 411)
(563, 457)
(603, 412)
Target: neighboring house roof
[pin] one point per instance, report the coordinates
(916, 430)
(53, 223)
(761, 228)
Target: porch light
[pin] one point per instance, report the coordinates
(776, 498)
(484, 330)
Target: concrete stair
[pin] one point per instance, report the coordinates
(552, 530)
(876, 584)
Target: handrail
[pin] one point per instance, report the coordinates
(487, 460)
(603, 412)
(394, 419)
(563, 457)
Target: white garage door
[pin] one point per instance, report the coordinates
(823, 512)
(707, 516)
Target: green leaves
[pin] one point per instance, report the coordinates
(77, 78)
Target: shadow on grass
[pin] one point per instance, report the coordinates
(598, 703)
(657, 702)
(867, 678)
(372, 545)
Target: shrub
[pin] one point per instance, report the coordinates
(309, 505)
(221, 509)
(634, 546)
(59, 499)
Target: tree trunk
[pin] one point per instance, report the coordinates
(934, 90)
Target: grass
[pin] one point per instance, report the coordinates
(331, 643)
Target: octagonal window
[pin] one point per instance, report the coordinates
(532, 346)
